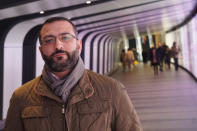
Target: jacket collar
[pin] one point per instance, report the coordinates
(42, 89)
(83, 90)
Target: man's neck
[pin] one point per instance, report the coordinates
(60, 75)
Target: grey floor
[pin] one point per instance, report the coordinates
(167, 102)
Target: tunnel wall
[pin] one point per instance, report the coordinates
(186, 38)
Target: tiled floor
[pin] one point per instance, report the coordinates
(167, 102)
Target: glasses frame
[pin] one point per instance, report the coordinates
(57, 37)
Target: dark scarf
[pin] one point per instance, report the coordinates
(62, 87)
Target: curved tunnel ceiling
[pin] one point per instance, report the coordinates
(112, 16)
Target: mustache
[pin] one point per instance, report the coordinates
(60, 51)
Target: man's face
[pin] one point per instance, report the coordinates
(60, 48)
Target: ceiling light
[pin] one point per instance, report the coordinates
(42, 12)
(88, 2)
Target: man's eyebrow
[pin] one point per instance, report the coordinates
(48, 36)
(64, 33)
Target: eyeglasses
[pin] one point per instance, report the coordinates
(64, 38)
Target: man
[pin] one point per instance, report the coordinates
(66, 97)
(175, 52)
(123, 59)
(130, 58)
(154, 58)
(161, 54)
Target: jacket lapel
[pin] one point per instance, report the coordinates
(83, 90)
(42, 89)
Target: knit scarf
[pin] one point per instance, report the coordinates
(62, 87)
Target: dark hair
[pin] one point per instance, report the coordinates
(130, 48)
(54, 19)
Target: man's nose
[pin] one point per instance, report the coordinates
(58, 44)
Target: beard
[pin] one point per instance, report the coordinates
(57, 66)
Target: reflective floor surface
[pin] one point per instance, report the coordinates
(167, 102)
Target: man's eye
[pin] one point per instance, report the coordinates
(66, 38)
(48, 41)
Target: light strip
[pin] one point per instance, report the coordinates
(88, 2)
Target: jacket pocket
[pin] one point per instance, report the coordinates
(36, 118)
(93, 116)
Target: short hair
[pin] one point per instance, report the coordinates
(54, 19)
(130, 48)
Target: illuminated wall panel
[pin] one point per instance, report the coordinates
(188, 42)
(185, 47)
(170, 37)
(193, 46)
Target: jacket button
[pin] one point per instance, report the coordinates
(87, 91)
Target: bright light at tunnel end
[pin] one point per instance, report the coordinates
(88, 2)
(42, 12)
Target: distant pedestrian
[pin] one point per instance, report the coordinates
(135, 54)
(168, 54)
(175, 52)
(161, 54)
(144, 56)
(123, 59)
(154, 59)
(164, 46)
(130, 59)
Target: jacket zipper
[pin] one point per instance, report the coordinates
(64, 119)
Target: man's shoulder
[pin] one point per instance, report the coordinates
(100, 78)
(27, 87)
(105, 84)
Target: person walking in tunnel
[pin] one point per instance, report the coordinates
(168, 57)
(154, 58)
(175, 52)
(135, 54)
(160, 55)
(123, 59)
(144, 56)
(67, 97)
(130, 58)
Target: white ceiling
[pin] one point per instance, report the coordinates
(111, 15)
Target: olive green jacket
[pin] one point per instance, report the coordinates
(96, 103)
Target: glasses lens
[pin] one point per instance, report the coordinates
(49, 40)
(65, 38)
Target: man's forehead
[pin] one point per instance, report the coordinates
(60, 26)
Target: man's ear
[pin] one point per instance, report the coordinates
(79, 46)
(40, 48)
